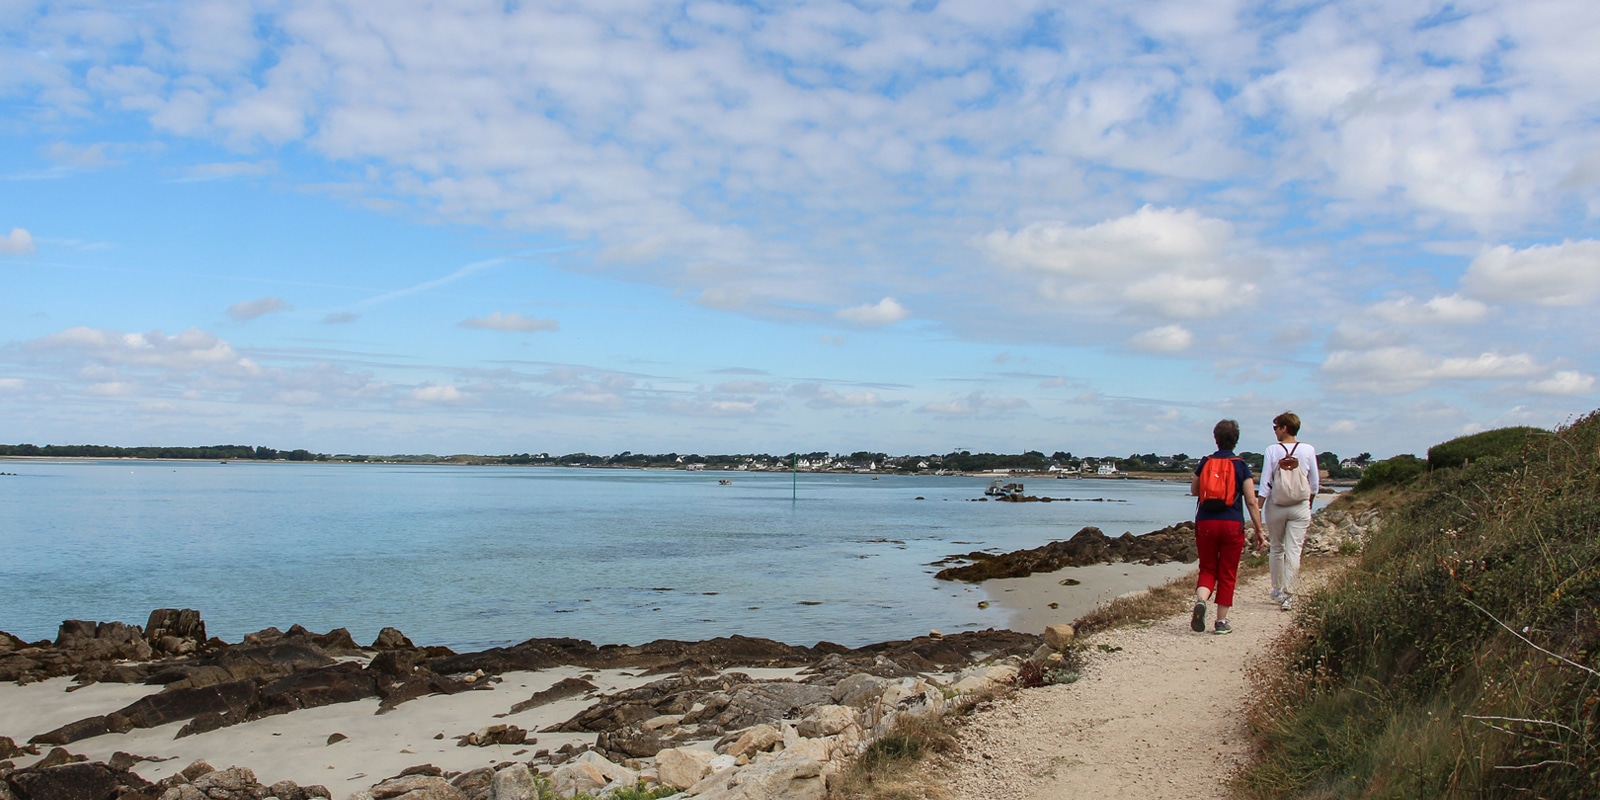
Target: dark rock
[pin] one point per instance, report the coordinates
(1087, 546)
(392, 639)
(58, 756)
(10, 644)
(666, 696)
(494, 735)
(395, 663)
(340, 683)
(175, 631)
(9, 749)
(73, 731)
(335, 738)
(173, 705)
(566, 687)
(76, 781)
(423, 769)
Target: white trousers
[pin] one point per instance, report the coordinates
(1286, 534)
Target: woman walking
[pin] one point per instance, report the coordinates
(1289, 485)
(1225, 487)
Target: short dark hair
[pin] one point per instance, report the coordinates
(1227, 434)
(1288, 421)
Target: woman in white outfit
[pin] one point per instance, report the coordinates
(1287, 523)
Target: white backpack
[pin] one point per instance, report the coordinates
(1290, 486)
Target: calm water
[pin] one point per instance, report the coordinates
(475, 556)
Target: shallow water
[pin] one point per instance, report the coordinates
(471, 557)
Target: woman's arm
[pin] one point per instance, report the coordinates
(1255, 510)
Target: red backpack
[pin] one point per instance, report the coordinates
(1218, 489)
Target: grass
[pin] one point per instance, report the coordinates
(893, 768)
(1458, 656)
(1158, 602)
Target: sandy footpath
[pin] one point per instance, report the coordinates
(1157, 717)
(295, 746)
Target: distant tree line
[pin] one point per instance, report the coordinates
(955, 461)
(221, 452)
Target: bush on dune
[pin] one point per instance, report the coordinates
(1459, 657)
(1498, 443)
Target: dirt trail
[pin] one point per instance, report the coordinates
(1159, 718)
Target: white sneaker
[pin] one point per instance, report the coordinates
(1278, 595)
(1288, 603)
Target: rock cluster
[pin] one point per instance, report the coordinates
(68, 777)
(1087, 546)
(1336, 530)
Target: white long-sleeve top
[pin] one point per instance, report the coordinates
(1269, 466)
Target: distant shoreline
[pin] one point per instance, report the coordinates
(1169, 477)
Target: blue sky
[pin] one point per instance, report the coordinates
(492, 227)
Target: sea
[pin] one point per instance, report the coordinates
(477, 556)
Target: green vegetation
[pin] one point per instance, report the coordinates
(222, 452)
(1497, 443)
(639, 791)
(1396, 471)
(1458, 657)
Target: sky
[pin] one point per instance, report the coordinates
(384, 226)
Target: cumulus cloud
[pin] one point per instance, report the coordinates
(1165, 339)
(251, 309)
(1171, 262)
(18, 242)
(883, 312)
(1404, 369)
(972, 404)
(1443, 310)
(1564, 382)
(511, 323)
(187, 351)
(1566, 274)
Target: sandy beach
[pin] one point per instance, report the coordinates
(1026, 601)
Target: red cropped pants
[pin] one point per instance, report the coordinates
(1220, 542)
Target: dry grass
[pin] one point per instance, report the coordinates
(1158, 602)
(893, 767)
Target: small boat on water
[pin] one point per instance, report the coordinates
(724, 482)
(998, 488)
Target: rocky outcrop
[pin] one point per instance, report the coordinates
(1338, 530)
(100, 650)
(85, 780)
(1087, 546)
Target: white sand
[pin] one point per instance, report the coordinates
(295, 746)
(1026, 601)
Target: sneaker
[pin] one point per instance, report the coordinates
(1222, 628)
(1279, 595)
(1288, 603)
(1198, 621)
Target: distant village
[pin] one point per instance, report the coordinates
(960, 462)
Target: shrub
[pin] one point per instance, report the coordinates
(1458, 657)
(1396, 471)
(1497, 443)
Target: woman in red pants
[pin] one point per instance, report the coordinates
(1225, 486)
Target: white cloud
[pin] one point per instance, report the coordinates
(820, 396)
(1566, 274)
(251, 309)
(18, 242)
(883, 312)
(1405, 369)
(511, 323)
(187, 351)
(1445, 310)
(11, 385)
(437, 394)
(1565, 382)
(1165, 339)
(744, 387)
(1174, 263)
(972, 404)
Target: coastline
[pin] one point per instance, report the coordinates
(1026, 601)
